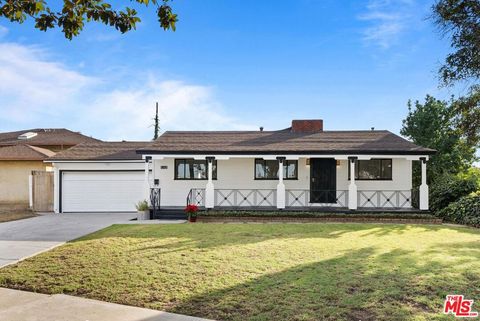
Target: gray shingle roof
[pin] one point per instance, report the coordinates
(284, 142)
(24, 152)
(102, 151)
(46, 137)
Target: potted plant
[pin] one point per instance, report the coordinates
(143, 210)
(191, 211)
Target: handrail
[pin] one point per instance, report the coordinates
(155, 198)
(189, 197)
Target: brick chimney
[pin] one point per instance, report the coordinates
(307, 125)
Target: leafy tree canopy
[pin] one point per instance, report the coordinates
(435, 124)
(460, 21)
(73, 14)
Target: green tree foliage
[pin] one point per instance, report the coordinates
(434, 124)
(460, 21)
(73, 14)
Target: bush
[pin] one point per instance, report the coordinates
(465, 211)
(450, 189)
(142, 206)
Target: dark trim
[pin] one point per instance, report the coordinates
(423, 160)
(60, 181)
(273, 179)
(303, 152)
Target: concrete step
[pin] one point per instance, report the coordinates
(169, 214)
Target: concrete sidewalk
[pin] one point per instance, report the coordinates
(27, 306)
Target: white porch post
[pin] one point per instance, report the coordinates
(424, 187)
(352, 188)
(147, 178)
(210, 188)
(280, 185)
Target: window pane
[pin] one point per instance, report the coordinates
(214, 168)
(369, 169)
(271, 169)
(199, 169)
(290, 169)
(387, 169)
(180, 169)
(259, 169)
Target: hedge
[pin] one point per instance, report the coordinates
(464, 211)
(450, 189)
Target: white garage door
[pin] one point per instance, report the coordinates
(102, 191)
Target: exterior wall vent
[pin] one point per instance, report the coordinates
(27, 135)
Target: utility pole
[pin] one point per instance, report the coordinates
(157, 124)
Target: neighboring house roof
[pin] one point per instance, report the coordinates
(101, 151)
(24, 152)
(45, 137)
(283, 142)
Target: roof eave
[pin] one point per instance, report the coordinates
(312, 152)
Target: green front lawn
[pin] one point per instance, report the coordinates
(265, 271)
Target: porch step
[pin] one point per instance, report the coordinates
(168, 214)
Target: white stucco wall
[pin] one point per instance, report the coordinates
(238, 173)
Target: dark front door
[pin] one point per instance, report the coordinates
(323, 180)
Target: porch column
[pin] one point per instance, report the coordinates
(147, 178)
(210, 188)
(352, 188)
(424, 187)
(280, 185)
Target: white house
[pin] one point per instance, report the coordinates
(295, 168)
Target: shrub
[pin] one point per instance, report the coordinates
(464, 211)
(142, 206)
(450, 189)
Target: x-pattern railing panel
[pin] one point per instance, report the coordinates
(384, 199)
(296, 198)
(323, 198)
(245, 197)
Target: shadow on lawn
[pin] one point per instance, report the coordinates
(358, 285)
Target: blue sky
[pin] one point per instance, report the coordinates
(230, 65)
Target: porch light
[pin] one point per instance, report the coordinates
(338, 162)
(308, 161)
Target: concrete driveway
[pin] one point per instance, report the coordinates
(24, 238)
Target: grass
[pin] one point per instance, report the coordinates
(265, 271)
(13, 216)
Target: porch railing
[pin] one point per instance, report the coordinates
(245, 197)
(323, 198)
(384, 199)
(196, 196)
(155, 198)
(297, 198)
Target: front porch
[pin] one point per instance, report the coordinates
(337, 183)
